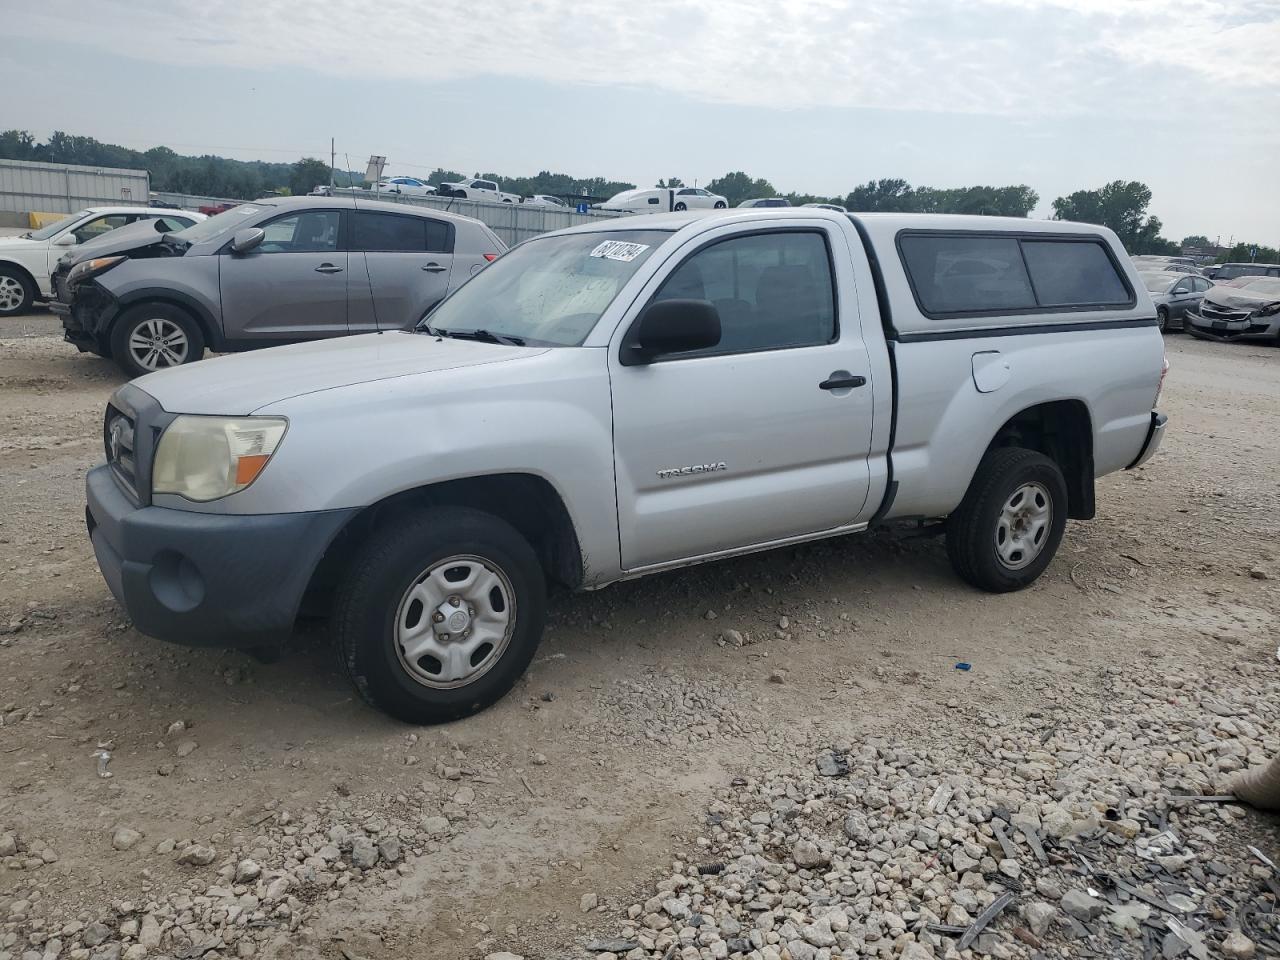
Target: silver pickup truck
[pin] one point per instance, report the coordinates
(621, 398)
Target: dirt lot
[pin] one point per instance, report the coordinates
(598, 769)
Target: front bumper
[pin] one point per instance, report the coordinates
(1249, 327)
(201, 579)
(1155, 434)
(86, 312)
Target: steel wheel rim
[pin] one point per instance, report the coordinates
(454, 622)
(11, 293)
(158, 343)
(1022, 528)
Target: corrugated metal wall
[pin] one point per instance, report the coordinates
(512, 222)
(27, 186)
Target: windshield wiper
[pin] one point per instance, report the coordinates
(484, 336)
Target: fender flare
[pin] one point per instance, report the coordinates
(209, 324)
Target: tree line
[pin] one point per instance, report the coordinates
(1121, 205)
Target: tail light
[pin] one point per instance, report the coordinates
(1164, 372)
(490, 257)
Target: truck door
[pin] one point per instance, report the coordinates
(765, 436)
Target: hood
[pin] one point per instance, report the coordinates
(127, 239)
(239, 384)
(19, 243)
(1242, 298)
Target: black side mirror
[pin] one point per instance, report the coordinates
(672, 326)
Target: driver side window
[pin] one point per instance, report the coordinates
(772, 290)
(312, 231)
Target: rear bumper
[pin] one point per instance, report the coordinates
(1155, 434)
(205, 580)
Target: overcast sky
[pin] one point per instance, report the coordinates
(815, 95)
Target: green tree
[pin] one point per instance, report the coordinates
(1122, 206)
(736, 187)
(307, 174)
(895, 196)
(1250, 253)
(673, 184)
(1199, 241)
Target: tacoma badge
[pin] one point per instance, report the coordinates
(670, 472)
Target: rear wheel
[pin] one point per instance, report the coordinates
(440, 614)
(1007, 529)
(16, 292)
(681, 206)
(720, 204)
(155, 336)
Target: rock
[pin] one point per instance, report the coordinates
(197, 855)
(186, 748)
(1238, 947)
(916, 951)
(819, 934)
(731, 638)
(435, 826)
(539, 760)
(1038, 916)
(135, 951)
(806, 854)
(961, 862)
(247, 871)
(390, 850)
(1257, 573)
(503, 955)
(8, 844)
(1010, 868)
(149, 933)
(125, 838)
(1080, 905)
(95, 933)
(364, 854)
(588, 902)
(1129, 829)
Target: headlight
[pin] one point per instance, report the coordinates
(91, 268)
(206, 458)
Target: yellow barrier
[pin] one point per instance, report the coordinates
(38, 220)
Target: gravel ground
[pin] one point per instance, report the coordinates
(769, 757)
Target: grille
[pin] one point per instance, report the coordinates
(1211, 311)
(119, 440)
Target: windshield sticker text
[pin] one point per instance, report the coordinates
(618, 250)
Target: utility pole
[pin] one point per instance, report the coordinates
(333, 162)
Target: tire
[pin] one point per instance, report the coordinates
(153, 323)
(721, 205)
(1162, 319)
(974, 530)
(681, 206)
(410, 563)
(16, 292)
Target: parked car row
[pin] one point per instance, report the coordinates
(272, 271)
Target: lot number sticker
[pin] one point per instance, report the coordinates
(618, 250)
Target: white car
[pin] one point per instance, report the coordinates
(544, 200)
(695, 198)
(406, 186)
(478, 190)
(27, 261)
(766, 202)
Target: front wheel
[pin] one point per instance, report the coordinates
(16, 292)
(1007, 529)
(155, 336)
(1162, 320)
(720, 205)
(440, 614)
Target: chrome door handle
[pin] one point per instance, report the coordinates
(328, 268)
(434, 267)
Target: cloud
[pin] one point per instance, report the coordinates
(1032, 57)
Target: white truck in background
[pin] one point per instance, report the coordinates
(477, 189)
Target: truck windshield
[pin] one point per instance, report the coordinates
(546, 292)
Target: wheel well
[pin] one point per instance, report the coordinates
(527, 502)
(1062, 431)
(24, 273)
